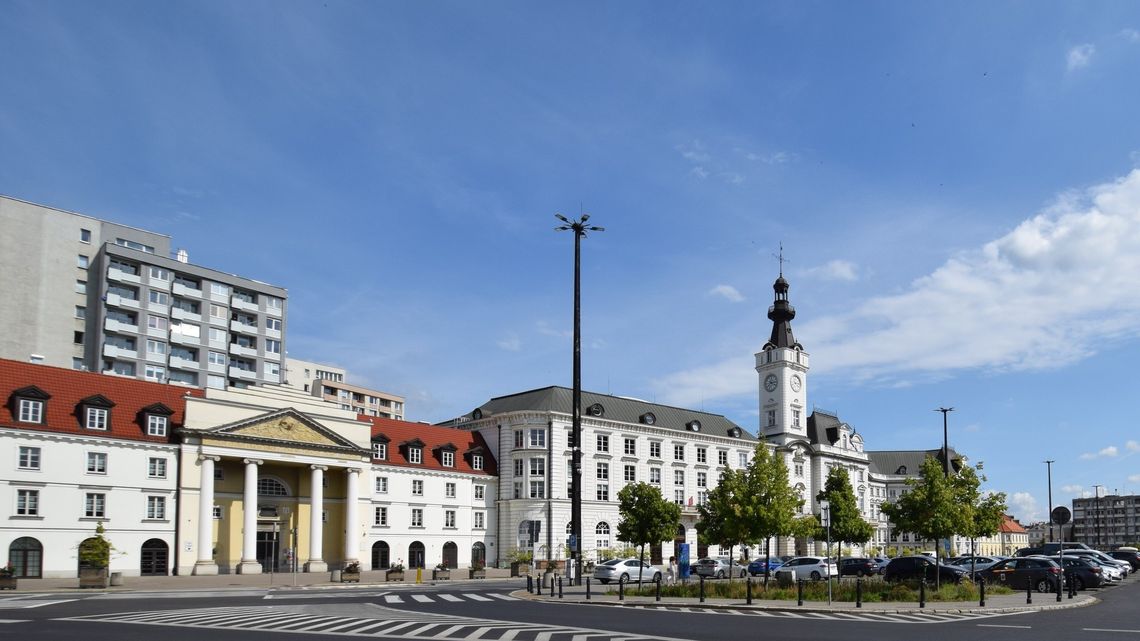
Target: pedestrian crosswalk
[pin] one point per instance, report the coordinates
(371, 621)
(862, 615)
(27, 601)
(446, 596)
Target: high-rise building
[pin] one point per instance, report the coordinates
(90, 294)
(329, 383)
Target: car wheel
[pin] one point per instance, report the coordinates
(1079, 583)
(720, 574)
(624, 578)
(656, 577)
(1044, 585)
(815, 575)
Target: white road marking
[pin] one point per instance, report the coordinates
(994, 625)
(476, 597)
(422, 598)
(14, 620)
(1110, 630)
(393, 598)
(450, 597)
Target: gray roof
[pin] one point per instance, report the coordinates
(823, 427)
(614, 408)
(890, 461)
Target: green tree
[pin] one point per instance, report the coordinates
(770, 502)
(985, 511)
(847, 525)
(932, 509)
(725, 515)
(96, 551)
(646, 517)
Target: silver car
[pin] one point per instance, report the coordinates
(814, 568)
(626, 571)
(718, 568)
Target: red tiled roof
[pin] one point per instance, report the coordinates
(433, 437)
(1010, 526)
(69, 387)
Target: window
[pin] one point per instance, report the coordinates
(267, 486)
(77, 363)
(771, 418)
(449, 490)
(517, 490)
(85, 235)
(629, 474)
(159, 298)
(702, 479)
(477, 461)
(80, 287)
(417, 517)
(382, 484)
(219, 336)
(156, 468)
(630, 446)
(97, 418)
(216, 358)
(158, 273)
(702, 455)
(678, 452)
(449, 459)
(29, 458)
(218, 312)
(679, 477)
(603, 472)
(417, 487)
(480, 492)
(27, 502)
(679, 497)
(273, 324)
(82, 262)
(77, 338)
(155, 347)
(219, 289)
(96, 462)
(655, 475)
(480, 520)
(155, 373)
(218, 512)
(538, 438)
(156, 507)
(95, 506)
(156, 425)
(272, 302)
(380, 451)
(799, 469)
(702, 497)
(80, 311)
(654, 449)
(537, 489)
(743, 456)
(796, 418)
(380, 516)
(449, 518)
(603, 492)
(31, 411)
(722, 457)
(519, 467)
(216, 382)
(157, 322)
(603, 443)
(272, 346)
(603, 535)
(415, 455)
(518, 438)
(537, 467)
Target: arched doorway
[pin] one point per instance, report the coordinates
(479, 554)
(450, 555)
(416, 555)
(154, 556)
(27, 558)
(381, 555)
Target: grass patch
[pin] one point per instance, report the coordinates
(874, 591)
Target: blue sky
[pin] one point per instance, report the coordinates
(955, 187)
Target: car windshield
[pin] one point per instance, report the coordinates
(612, 562)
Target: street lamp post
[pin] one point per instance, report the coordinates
(1049, 468)
(579, 227)
(945, 438)
(825, 515)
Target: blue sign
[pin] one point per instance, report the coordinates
(573, 543)
(683, 562)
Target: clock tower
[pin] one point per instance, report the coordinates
(782, 366)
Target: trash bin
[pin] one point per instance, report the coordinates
(336, 576)
(785, 578)
(116, 578)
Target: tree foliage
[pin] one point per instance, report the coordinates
(646, 517)
(847, 524)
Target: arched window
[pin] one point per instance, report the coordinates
(478, 554)
(380, 555)
(269, 486)
(416, 555)
(602, 540)
(27, 557)
(450, 555)
(154, 558)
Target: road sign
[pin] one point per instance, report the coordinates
(573, 543)
(1061, 515)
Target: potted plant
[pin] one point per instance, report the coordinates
(395, 572)
(94, 558)
(520, 560)
(8, 577)
(441, 573)
(477, 570)
(350, 573)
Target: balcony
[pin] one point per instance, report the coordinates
(216, 368)
(273, 333)
(245, 374)
(239, 326)
(114, 351)
(112, 325)
(241, 303)
(240, 350)
(158, 283)
(182, 314)
(183, 363)
(182, 339)
(271, 356)
(122, 276)
(273, 311)
(118, 301)
(156, 332)
(178, 289)
(272, 378)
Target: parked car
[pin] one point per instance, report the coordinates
(1112, 572)
(718, 568)
(882, 561)
(1039, 572)
(1082, 572)
(1131, 556)
(810, 567)
(626, 569)
(976, 563)
(858, 566)
(1124, 566)
(759, 566)
(906, 568)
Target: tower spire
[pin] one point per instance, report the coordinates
(781, 313)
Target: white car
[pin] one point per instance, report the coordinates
(627, 571)
(814, 568)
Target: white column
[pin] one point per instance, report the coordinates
(316, 561)
(205, 564)
(249, 564)
(352, 516)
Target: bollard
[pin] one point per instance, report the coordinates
(749, 580)
(587, 588)
(982, 593)
(1029, 593)
(800, 592)
(530, 584)
(658, 580)
(1060, 580)
(1072, 585)
(559, 586)
(702, 577)
(621, 588)
(858, 592)
(922, 594)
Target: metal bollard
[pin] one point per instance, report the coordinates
(1060, 580)
(658, 579)
(587, 588)
(1072, 585)
(982, 593)
(922, 593)
(858, 592)
(1029, 592)
(559, 586)
(530, 584)
(800, 592)
(702, 578)
(749, 590)
(621, 588)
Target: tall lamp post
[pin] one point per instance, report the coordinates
(945, 438)
(825, 516)
(579, 227)
(1049, 468)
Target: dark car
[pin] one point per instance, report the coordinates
(1022, 572)
(1082, 572)
(858, 566)
(760, 566)
(1131, 556)
(906, 568)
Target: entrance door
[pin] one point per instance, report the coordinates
(416, 555)
(154, 556)
(268, 551)
(380, 553)
(27, 557)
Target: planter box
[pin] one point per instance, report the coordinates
(476, 574)
(517, 568)
(7, 583)
(350, 577)
(93, 577)
(394, 575)
(441, 575)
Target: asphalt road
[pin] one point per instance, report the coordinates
(487, 612)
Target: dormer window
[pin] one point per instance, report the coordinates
(156, 419)
(596, 410)
(446, 454)
(694, 426)
(30, 404)
(648, 418)
(449, 459)
(96, 412)
(901, 470)
(476, 461)
(380, 451)
(415, 454)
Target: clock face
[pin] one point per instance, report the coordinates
(770, 383)
(796, 383)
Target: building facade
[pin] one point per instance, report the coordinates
(1106, 522)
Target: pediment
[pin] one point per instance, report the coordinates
(286, 426)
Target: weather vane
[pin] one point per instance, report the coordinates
(780, 257)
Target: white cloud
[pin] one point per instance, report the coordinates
(727, 291)
(510, 343)
(732, 178)
(1072, 489)
(1135, 478)
(843, 270)
(774, 158)
(1132, 446)
(699, 172)
(1080, 56)
(1050, 292)
(1024, 507)
(1131, 35)
(1105, 452)
(545, 329)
